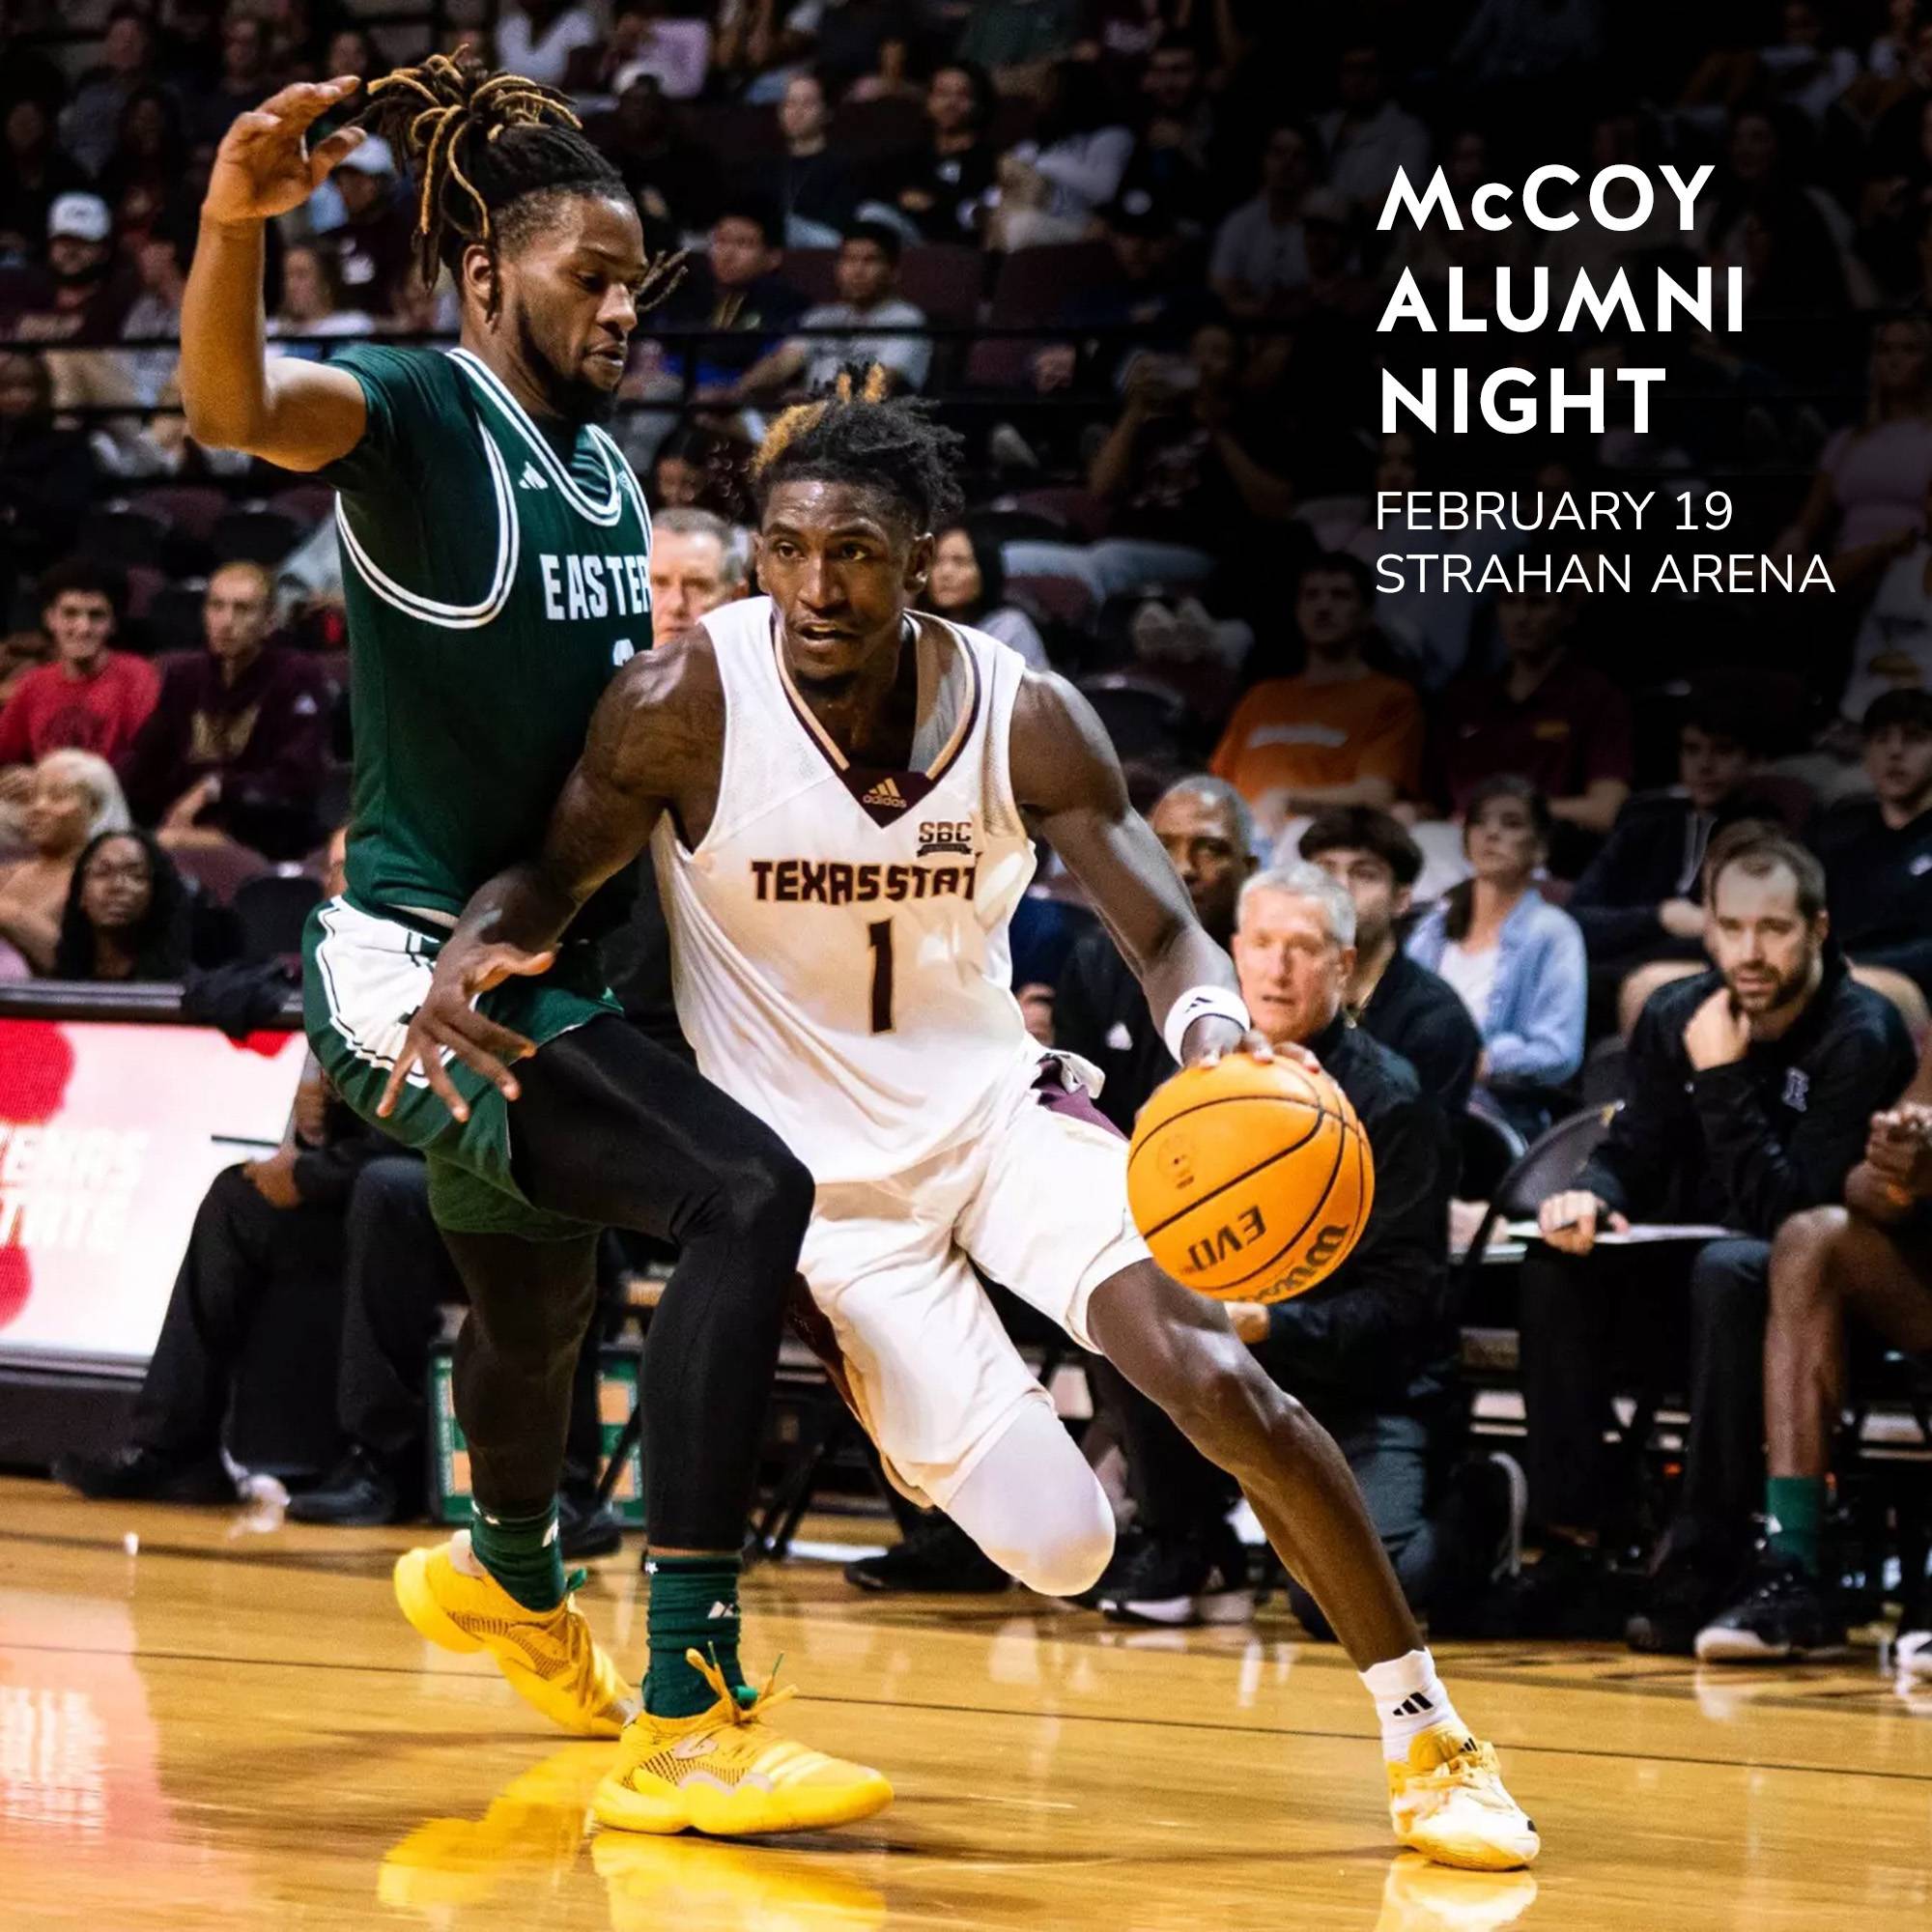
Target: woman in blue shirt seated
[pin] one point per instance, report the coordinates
(1517, 960)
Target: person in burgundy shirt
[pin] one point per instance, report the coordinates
(1546, 717)
(91, 697)
(238, 743)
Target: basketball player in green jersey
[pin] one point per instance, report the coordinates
(494, 547)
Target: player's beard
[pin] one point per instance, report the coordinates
(571, 394)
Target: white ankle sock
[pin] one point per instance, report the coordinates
(1409, 1700)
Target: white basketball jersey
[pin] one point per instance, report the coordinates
(839, 938)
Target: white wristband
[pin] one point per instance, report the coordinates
(1196, 1003)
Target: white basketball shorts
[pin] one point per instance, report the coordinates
(1038, 1202)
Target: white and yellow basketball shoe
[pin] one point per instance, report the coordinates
(1447, 1801)
(726, 1772)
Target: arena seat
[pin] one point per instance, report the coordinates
(945, 280)
(1142, 718)
(221, 870)
(1606, 1071)
(1082, 512)
(172, 616)
(1552, 1161)
(1013, 117)
(1488, 1149)
(124, 533)
(810, 271)
(1792, 798)
(188, 513)
(1063, 600)
(866, 129)
(1003, 363)
(190, 509)
(145, 583)
(271, 909)
(1038, 284)
(734, 127)
(305, 503)
(255, 533)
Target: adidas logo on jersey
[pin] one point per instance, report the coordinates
(531, 479)
(885, 794)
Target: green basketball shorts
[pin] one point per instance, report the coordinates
(364, 976)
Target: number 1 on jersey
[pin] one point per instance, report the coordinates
(879, 937)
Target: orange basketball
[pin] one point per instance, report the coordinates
(1249, 1180)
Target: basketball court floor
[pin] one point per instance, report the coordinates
(229, 1728)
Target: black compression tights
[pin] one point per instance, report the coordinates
(615, 1130)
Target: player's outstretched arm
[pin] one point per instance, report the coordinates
(1068, 781)
(654, 740)
(299, 414)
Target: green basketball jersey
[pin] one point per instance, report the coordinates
(496, 579)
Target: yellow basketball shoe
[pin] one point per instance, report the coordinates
(1448, 1803)
(727, 1772)
(549, 1657)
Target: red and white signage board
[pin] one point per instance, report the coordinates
(111, 1133)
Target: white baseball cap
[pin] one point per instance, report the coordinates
(86, 218)
(629, 76)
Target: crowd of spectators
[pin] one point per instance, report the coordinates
(1130, 248)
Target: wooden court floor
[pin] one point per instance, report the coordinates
(233, 1728)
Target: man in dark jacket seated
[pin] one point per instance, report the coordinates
(1365, 1350)
(1410, 1009)
(1750, 1091)
(1639, 901)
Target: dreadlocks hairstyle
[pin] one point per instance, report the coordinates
(482, 147)
(859, 436)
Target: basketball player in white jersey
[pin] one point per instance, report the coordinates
(839, 793)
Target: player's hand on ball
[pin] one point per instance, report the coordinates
(1249, 1321)
(1569, 1221)
(1210, 1038)
(448, 1025)
(1256, 1046)
(264, 166)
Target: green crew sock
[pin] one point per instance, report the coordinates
(1796, 1507)
(693, 1606)
(523, 1554)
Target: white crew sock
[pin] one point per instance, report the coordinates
(1409, 1700)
